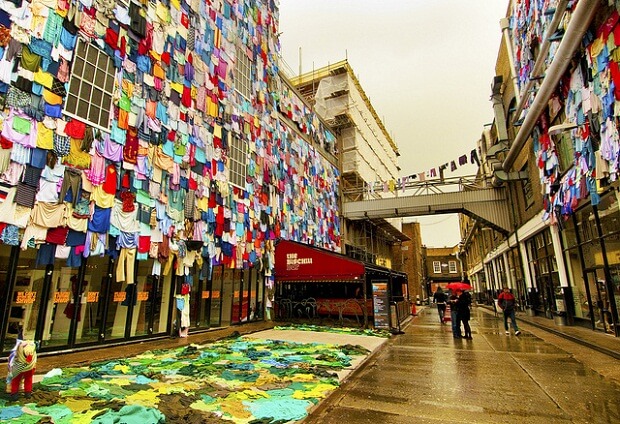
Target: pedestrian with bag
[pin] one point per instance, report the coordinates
(507, 303)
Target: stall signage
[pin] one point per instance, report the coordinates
(92, 297)
(27, 297)
(62, 297)
(119, 296)
(293, 261)
(381, 304)
(205, 294)
(143, 296)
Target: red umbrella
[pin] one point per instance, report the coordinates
(458, 286)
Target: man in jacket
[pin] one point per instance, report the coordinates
(507, 303)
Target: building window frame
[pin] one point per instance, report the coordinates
(91, 86)
(437, 267)
(237, 161)
(452, 267)
(243, 73)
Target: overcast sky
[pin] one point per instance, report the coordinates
(426, 65)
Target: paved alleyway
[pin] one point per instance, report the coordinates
(425, 376)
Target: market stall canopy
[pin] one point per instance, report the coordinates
(298, 262)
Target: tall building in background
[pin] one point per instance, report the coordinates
(368, 158)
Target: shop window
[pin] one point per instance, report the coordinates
(237, 161)
(243, 74)
(452, 267)
(609, 215)
(91, 85)
(436, 267)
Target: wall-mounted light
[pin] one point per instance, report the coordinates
(560, 128)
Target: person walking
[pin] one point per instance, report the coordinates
(456, 325)
(463, 313)
(439, 298)
(507, 303)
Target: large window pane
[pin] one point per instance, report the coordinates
(216, 300)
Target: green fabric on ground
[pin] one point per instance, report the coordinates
(238, 379)
(131, 414)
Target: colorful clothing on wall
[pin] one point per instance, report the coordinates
(169, 160)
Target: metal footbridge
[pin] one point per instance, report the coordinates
(467, 195)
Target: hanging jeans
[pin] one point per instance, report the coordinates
(125, 266)
(72, 180)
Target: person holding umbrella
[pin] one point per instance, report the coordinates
(459, 302)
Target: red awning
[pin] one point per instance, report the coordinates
(298, 262)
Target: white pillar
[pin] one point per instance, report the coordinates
(525, 264)
(509, 280)
(559, 255)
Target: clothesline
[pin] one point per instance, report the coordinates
(401, 182)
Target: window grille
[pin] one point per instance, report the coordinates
(91, 86)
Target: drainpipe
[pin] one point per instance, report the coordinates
(580, 21)
(505, 25)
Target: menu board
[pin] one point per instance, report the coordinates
(381, 304)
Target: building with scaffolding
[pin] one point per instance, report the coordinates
(368, 159)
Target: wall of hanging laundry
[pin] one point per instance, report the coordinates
(590, 103)
(125, 124)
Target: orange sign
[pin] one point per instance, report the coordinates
(119, 296)
(205, 294)
(27, 297)
(143, 296)
(62, 297)
(92, 297)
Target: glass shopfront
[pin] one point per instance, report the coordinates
(592, 251)
(544, 271)
(62, 307)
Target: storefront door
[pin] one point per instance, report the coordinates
(600, 301)
(227, 297)
(215, 306)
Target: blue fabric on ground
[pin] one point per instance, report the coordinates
(279, 409)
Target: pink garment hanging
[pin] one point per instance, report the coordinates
(97, 172)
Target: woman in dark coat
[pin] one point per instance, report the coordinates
(462, 311)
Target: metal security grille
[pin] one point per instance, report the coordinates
(91, 86)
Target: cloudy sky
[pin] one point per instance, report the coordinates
(426, 65)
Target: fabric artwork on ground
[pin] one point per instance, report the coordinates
(241, 380)
(338, 330)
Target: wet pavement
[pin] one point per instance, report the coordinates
(426, 376)
(547, 374)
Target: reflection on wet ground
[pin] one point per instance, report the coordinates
(426, 375)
